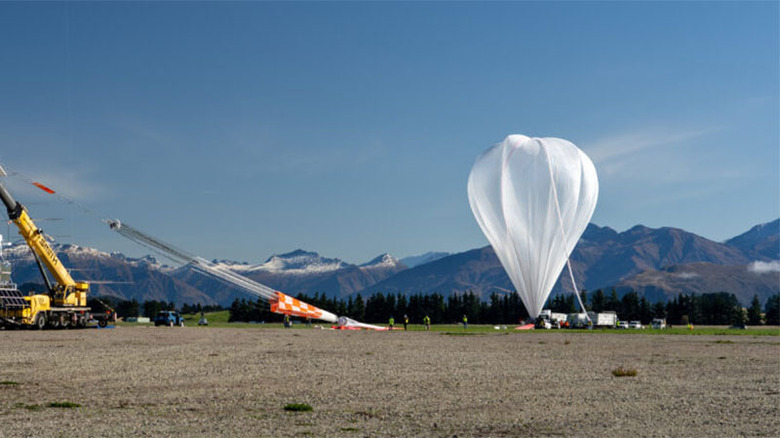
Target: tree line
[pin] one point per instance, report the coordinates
(721, 308)
(150, 308)
(378, 308)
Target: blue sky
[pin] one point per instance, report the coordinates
(241, 130)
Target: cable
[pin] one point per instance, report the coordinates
(563, 234)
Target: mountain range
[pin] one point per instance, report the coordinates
(657, 263)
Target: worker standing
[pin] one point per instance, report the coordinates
(287, 321)
(465, 322)
(391, 323)
(406, 321)
(427, 322)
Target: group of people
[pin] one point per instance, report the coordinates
(426, 322)
(391, 322)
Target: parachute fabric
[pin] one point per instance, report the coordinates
(533, 199)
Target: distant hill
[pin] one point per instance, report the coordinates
(658, 263)
(113, 275)
(422, 259)
(744, 281)
(603, 258)
(477, 270)
(300, 272)
(762, 241)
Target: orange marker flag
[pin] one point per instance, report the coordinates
(43, 187)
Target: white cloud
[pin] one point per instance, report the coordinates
(764, 267)
(687, 275)
(647, 152)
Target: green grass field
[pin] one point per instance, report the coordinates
(220, 319)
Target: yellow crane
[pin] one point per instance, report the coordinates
(65, 304)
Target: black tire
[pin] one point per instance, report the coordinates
(102, 323)
(40, 321)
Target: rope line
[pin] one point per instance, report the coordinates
(563, 234)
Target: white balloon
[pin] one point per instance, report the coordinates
(533, 199)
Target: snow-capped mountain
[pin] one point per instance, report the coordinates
(110, 274)
(300, 271)
(654, 262)
(298, 262)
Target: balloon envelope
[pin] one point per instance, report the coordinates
(533, 199)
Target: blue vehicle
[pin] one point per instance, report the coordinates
(169, 318)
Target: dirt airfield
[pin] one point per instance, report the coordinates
(191, 381)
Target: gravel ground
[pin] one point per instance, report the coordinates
(143, 381)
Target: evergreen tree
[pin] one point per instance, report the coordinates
(153, 307)
(472, 307)
(416, 308)
(495, 313)
(659, 310)
(438, 309)
(358, 308)
(127, 309)
(376, 308)
(401, 305)
(772, 310)
(754, 311)
(720, 308)
(613, 303)
(696, 316)
(645, 311)
(390, 308)
(684, 309)
(237, 311)
(629, 307)
(454, 309)
(598, 301)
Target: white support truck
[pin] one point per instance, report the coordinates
(553, 319)
(603, 319)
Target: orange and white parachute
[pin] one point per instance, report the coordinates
(288, 305)
(280, 303)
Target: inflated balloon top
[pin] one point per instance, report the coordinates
(533, 199)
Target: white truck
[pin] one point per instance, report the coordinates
(552, 319)
(577, 320)
(659, 323)
(603, 319)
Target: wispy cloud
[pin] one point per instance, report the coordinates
(265, 150)
(764, 267)
(687, 275)
(636, 153)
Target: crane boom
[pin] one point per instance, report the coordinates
(66, 291)
(65, 304)
(280, 303)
